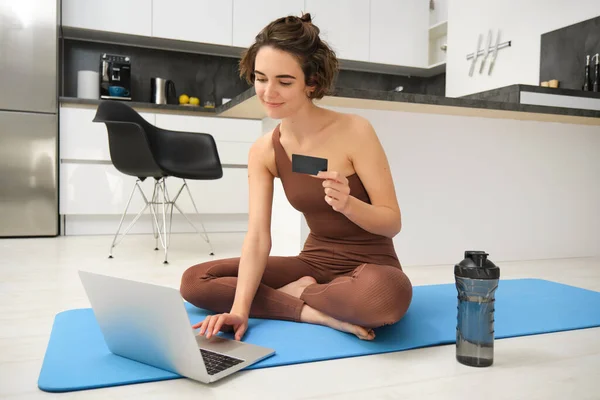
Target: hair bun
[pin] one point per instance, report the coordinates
(306, 18)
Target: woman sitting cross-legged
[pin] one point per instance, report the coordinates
(347, 276)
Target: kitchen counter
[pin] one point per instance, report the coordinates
(542, 96)
(144, 107)
(514, 93)
(506, 103)
(246, 105)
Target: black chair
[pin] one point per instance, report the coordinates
(140, 149)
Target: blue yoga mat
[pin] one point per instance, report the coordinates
(77, 357)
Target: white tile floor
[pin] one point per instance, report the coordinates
(38, 279)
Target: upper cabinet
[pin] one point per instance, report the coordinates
(344, 25)
(204, 21)
(249, 17)
(399, 32)
(132, 16)
(394, 32)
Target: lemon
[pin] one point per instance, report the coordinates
(194, 100)
(184, 99)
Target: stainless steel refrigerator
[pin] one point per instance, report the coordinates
(28, 118)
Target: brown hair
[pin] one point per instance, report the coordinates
(300, 37)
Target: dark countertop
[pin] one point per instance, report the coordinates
(166, 108)
(512, 93)
(246, 104)
(496, 103)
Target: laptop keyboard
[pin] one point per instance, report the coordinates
(216, 362)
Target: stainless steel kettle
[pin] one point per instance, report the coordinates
(162, 91)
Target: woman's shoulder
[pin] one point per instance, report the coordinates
(262, 151)
(353, 126)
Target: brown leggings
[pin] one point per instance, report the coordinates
(369, 295)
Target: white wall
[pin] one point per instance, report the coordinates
(523, 22)
(519, 190)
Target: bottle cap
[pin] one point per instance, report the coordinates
(476, 266)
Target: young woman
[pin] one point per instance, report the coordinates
(347, 276)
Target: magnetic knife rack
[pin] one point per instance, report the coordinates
(486, 51)
(482, 51)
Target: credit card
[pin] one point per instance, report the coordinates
(308, 164)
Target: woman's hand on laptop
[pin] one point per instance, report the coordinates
(225, 322)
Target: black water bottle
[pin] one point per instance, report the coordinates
(476, 282)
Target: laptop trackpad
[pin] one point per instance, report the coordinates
(218, 344)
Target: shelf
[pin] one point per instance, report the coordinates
(143, 106)
(423, 72)
(438, 30)
(437, 68)
(436, 34)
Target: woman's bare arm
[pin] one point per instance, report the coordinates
(257, 243)
(383, 215)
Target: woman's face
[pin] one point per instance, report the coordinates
(279, 83)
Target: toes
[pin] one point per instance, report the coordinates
(365, 334)
(362, 333)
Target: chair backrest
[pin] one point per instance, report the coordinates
(141, 149)
(130, 148)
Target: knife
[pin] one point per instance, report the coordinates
(487, 51)
(495, 53)
(475, 56)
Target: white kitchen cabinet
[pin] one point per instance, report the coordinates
(250, 17)
(99, 189)
(344, 25)
(91, 185)
(83, 139)
(399, 33)
(193, 20)
(228, 195)
(131, 17)
(233, 137)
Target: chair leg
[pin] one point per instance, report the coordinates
(157, 227)
(170, 203)
(206, 238)
(115, 242)
(166, 204)
(162, 232)
(153, 207)
(163, 204)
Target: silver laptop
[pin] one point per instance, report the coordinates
(149, 324)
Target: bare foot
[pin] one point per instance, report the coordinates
(310, 315)
(297, 287)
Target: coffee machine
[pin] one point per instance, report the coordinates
(115, 77)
